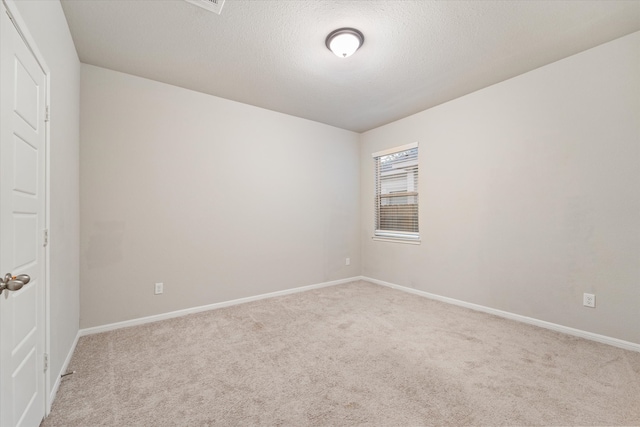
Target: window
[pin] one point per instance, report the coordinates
(396, 199)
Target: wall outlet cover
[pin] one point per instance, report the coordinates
(589, 300)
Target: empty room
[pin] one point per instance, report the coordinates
(319, 213)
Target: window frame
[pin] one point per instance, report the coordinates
(394, 235)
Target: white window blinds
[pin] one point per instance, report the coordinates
(396, 201)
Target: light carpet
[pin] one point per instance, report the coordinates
(352, 354)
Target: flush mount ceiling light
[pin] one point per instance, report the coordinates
(344, 41)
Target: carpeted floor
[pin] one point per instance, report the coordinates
(354, 354)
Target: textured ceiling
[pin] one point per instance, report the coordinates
(417, 54)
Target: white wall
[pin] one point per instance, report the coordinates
(216, 199)
(48, 26)
(529, 194)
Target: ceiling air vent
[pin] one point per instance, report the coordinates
(212, 5)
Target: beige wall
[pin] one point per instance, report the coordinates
(48, 26)
(529, 197)
(216, 199)
(529, 194)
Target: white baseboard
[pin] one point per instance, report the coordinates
(627, 345)
(63, 370)
(184, 312)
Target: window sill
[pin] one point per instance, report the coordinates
(396, 240)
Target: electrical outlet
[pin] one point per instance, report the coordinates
(159, 288)
(347, 261)
(589, 300)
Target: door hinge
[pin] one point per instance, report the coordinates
(46, 362)
(45, 237)
(46, 114)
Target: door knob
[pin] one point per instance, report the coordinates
(13, 283)
(24, 278)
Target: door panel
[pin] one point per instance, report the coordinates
(25, 178)
(22, 219)
(26, 105)
(24, 316)
(25, 383)
(24, 241)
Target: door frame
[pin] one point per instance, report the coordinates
(23, 30)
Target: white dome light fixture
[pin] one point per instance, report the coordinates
(344, 41)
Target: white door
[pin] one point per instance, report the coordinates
(22, 220)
